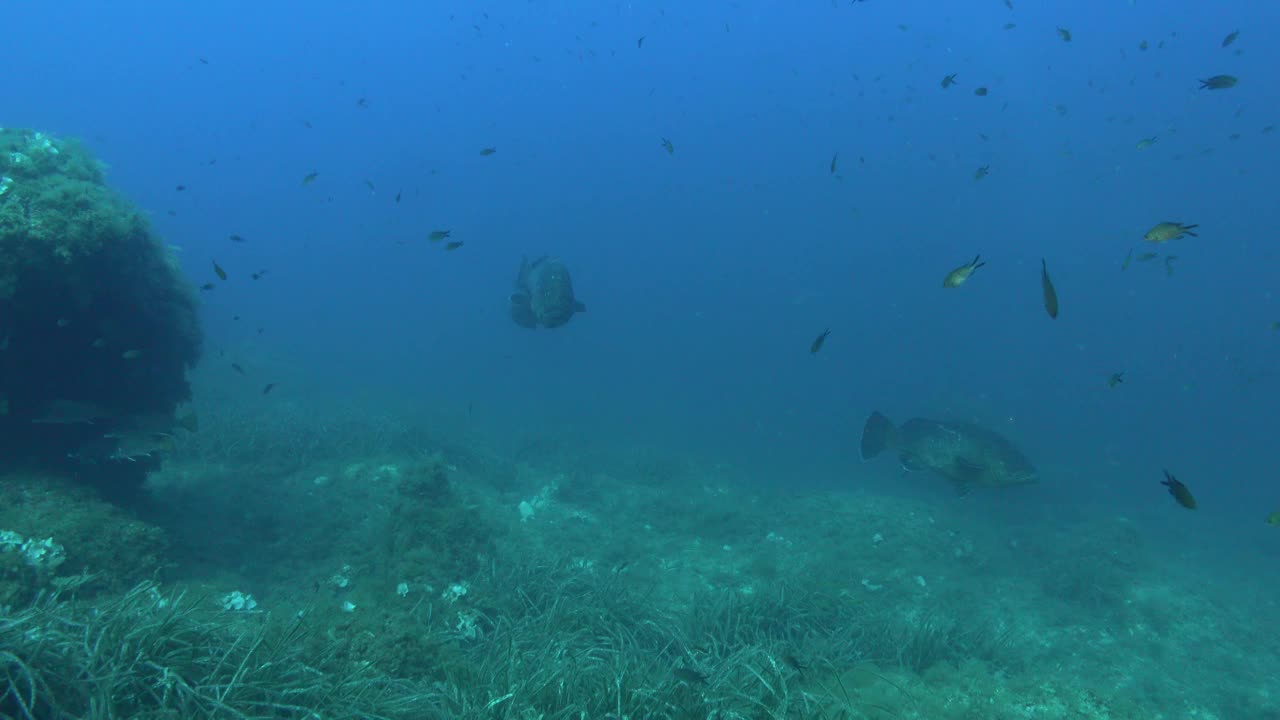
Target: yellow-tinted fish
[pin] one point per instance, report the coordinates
(1148, 256)
(1125, 265)
(982, 172)
(310, 178)
(948, 81)
(453, 245)
(666, 145)
(1219, 82)
(1115, 379)
(437, 235)
(1145, 143)
(217, 270)
(957, 277)
(1050, 295)
(1274, 519)
(1180, 493)
(1166, 231)
(980, 92)
(1065, 34)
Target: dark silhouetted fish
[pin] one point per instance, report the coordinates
(966, 454)
(543, 294)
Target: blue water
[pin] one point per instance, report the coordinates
(708, 271)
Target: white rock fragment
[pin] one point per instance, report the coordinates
(238, 602)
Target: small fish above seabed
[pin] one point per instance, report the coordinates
(640, 42)
(666, 145)
(454, 245)
(1146, 142)
(980, 92)
(208, 286)
(1115, 379)
(1010, 26)
(239, 370)
(488, 151)
(1125, 265)
(258, 275)
(1274, 519)
(1167, 230)
(817, 343)
(1065, 34)
(1143, 46)
(833, 163)
(310, 178)
(982, 172)
(270, 386)
(438, 235)
(1050, 295)
(691, 676)
(1230, 38)
(948, 81)
(957, 277)
(1179, 491)
(217, 270)
(1219, 82)
(236, 239)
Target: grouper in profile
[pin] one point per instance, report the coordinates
(966, 454)
(543, 294)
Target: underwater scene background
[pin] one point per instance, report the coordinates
(301, 415)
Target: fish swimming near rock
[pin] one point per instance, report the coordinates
(543, 294)
(966, 454)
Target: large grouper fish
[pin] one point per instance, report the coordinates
(543, 294)
(966, 454)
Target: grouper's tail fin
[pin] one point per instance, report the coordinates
(877, 434)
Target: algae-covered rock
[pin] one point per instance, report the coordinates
(94, 313)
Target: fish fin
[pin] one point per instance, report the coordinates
(966, 472)
(876, 434)
(579, 307)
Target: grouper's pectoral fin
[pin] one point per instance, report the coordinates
(964, 474)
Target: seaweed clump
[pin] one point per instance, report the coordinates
(97, 324)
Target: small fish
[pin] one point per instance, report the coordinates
(1219, 82)
(98, 344)
(980, 92)
(1146, 142)
(1050, 295)
(130, 354)
(207, 286)
(1274, 519)
(180, 188)
(454, 245)
(1179, 491)
(310, 178)
(1115, 379)
(438, 235)
(640, 42)
(1167, 230)
(948, 81)
(258, 275)
(817, 343)
(62, 322)
(1125, 265)
(236, 239)
(691, 676)
(398, 197)
(1143, 46)
(369, 184)
(1008, 4)
(1230, 38)
(982, 172)
(833, 163)
(267, 390)
(666, 145)
(488, 151)
(1144, 257)
(217, 270)
(795, 663)
(1065, 34)
(237, 368)
(363, 102)
(1010, 26)
(957, 277)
